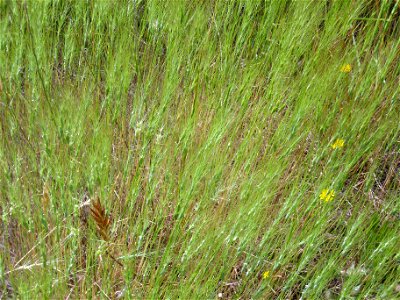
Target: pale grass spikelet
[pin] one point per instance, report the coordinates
(45, 197)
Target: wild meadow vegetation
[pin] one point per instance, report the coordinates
(200, 149)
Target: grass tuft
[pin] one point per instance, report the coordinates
(244, 149)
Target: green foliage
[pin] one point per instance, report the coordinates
(206, 128)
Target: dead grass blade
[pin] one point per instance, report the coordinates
(45, 197)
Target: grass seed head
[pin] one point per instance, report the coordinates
(101, 219)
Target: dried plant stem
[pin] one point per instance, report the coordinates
(103, 223)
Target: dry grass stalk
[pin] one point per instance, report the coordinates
(45, 197)
(99, 215)
(103, 222)
(83, 217)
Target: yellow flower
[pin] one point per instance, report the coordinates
(346, 68)
(266, 274)
(339, 143)
(327, 195)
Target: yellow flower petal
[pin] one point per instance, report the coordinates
(327, 195)
(330, 196)
(339, 143)
(346, 68)
(323, 194)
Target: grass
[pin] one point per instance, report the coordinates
(206, 131)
